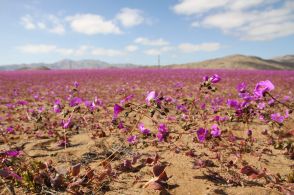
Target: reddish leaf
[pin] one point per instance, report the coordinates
(248, 170)
(75, 170)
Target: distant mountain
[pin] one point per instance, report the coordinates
(67, 64)
(34, 68)
(288, 59)
(242, 62)
(228, 62)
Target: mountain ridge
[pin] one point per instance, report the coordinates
(236, 61)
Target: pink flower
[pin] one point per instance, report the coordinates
(76, 84)
(162, 132)
(215, 78)
(67, 124)
(152, 96)
(215, 131)
(262, 87)
(116, 110)
(12, 153)
(10, 129)
(277, 117)
(132, 139)
(125, 100)
(75, 101)
(201, 134)
(143, 129)
(241, 87)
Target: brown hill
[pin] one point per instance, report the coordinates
(35, 68)
(240, 62)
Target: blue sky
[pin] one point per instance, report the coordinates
(137, 31)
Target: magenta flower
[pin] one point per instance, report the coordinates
(160, 136)
(98, 101)
(162, 128)
(262, 87)
(128, 98)
(12, 174)
(215, 131)
(90, 105)
(287, 113)
(22, 102)
(12, 153)
(116, 110)
(121, 125)
(10, 129)
(246, 96)
(277, 117)
(36, 97)
(233, 104)
(203, 106)
(15, 176)
(271, 102)
(205, 78)
(241, 87)
(201, 134)
(76, 84)
(132, 139)
(66, 124)
(215, 78)
(57, 106)
(162, 132)
(151, 97)
(75, 101)
(143, 129)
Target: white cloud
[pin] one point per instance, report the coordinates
(49, 23)
(27, 22)
(65, 51)
(190, 7)
(84, 50)
(37, 49)
(241, 4)
(107, 52)
(57, 29)
(91, 24)
(130, 17)
(150, 42)
(253, 25)
(56, 26)
(206, 47)
(131, 48)
(227, 20)
(41, 25)
(248, 20)
(195, 24)
(158, 51)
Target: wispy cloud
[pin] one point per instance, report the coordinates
(27, 22)
(37, 49)
(130, 17)
(49, 23)
(131, 48)
(151, 42)
(158, 51)
(84, 50)
(248, 20)
(204, 47)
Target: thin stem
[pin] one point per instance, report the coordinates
(286, 105)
